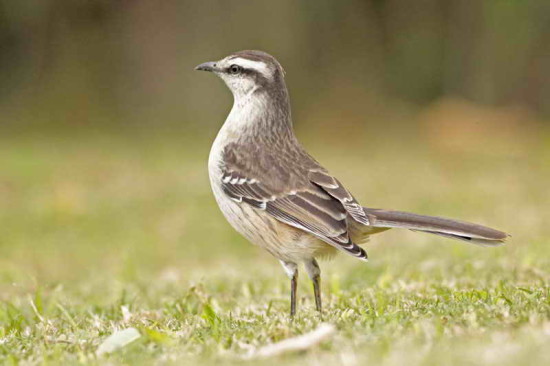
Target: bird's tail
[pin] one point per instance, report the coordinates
(454, 229)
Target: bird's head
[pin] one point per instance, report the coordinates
(246, 72)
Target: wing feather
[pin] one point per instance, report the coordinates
(334, 188)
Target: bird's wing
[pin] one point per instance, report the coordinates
(287, 194)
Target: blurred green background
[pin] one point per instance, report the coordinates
(106, 127)
(69, 63)
(440, 107)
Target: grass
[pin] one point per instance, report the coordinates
(107, 230)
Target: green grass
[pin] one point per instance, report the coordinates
(108, 230)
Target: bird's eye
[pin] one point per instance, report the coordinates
(235, 69)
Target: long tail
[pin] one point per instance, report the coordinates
(472, 233)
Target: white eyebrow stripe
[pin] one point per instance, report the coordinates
(249, 64)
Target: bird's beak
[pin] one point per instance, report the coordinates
(207, 66)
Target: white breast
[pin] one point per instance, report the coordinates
(226, 135)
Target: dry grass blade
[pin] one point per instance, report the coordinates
(118, 340)
(295, 344)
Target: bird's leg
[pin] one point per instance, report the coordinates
(314, 272)
(293, 288)
(291, 270)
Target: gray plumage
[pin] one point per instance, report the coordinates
(279, 197)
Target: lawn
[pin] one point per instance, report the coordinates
(104, 230)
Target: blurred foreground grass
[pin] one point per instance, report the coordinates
(102, 230)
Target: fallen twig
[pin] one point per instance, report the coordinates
(295, 344)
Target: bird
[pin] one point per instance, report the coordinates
(275, 194)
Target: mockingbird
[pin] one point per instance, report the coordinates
(279, 197)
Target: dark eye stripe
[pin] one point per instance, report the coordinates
(235, 69)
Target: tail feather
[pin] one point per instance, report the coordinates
(454, 229)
